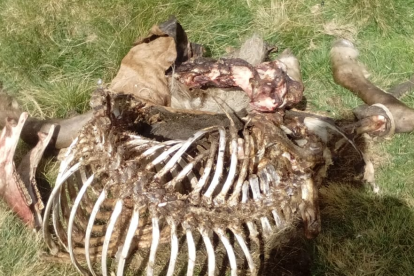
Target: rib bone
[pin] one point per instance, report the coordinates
(111, 225)
(167, 189)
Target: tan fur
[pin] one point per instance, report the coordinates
(253, 50)
(292, 65)
(142, 71)
(8, 108)
(209, 100)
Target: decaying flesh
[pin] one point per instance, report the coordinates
(267, 85)
(213, 99)
(18, 187)
(244, 81)
(119, 193)
(348, 73)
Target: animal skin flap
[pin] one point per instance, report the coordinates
(142, 71)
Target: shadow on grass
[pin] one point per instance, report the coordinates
(362, 233)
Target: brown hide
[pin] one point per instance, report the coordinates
(348, 73)
(142, 71)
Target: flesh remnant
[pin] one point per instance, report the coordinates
(267, 84)
(18, 187)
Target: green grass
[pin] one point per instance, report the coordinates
(20, 250)
(52, 52)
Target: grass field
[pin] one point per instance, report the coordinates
(52, 52)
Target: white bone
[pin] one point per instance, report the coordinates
(151, 150)
(254, 185)
(72, 220)
(187, 169)
(191, 249)
(136, 138)
(191, 176)
(253, 232)
(163, 156)
(128, 240)
(219, 164)
(278, 220)
(245, 192)
(220, 198)
(264, 181)
(154, 149)
(181, 151)
(246, 251)
(250, 225)
(267, 229)
(112, 221)
(57, 225)
(91, 222)
(68, 158)
(210, 251)
(230, 251)
(234, 198)
(174, 247)
(154, 245)
(207, 168)
(136, 141)
(62, 178)
(82, 174)
(56, 190)
(142, 146)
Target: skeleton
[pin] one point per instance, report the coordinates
(130, 187)
(216, 183)
(240, 180)
(230, 185)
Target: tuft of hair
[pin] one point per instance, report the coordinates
(9, 108)
(343, 52)
(253, 50)
(292, 65)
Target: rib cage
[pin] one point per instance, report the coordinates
(119, 194)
